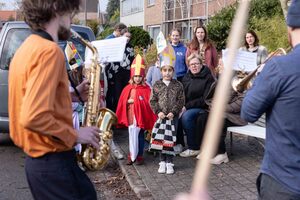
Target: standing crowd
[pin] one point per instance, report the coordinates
(172, 100)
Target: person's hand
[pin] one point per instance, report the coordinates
(161, 115)
(130, 101)
(170, 116)
(193, 196)
(182, 111)
(83, 89)
(89, 135)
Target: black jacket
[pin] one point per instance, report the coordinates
(196, 87)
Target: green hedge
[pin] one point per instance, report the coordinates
(265, 18)
(139, 37)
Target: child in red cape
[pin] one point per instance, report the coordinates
(134, 111)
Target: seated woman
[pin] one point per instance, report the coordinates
(196, 84)
(251, 44)
(232, 118)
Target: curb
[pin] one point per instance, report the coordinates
(135, 181)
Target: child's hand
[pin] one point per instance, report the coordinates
(170, 116)
(130, 101)
(161, 115)
(182, 111)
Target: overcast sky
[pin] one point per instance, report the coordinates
(9, 4)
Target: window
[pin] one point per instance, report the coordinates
(79, 46)
(154, 31)
(15, 37)
(13, 41)
(151, 2)
(129, 7)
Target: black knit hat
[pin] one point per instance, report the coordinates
(293, 16)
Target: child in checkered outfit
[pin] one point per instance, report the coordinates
(167, 100)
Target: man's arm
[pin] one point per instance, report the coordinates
(263, 94)
(37, 111)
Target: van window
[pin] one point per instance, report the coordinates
(78, 44)
(14, 39)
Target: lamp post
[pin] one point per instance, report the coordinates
(85, 13)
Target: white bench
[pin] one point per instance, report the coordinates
(256, 130)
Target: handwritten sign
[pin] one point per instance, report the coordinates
(109, 50)
(244, 61)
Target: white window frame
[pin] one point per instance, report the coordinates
(151, 2)
(129, 7)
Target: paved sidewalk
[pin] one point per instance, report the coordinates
(233, 180)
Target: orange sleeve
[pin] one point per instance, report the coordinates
(38, 106)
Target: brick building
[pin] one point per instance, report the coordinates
(167, 14)
(187, 14)
(6, 15)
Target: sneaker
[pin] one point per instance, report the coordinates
(178, 148)
(162, 167)
(199, 156)
(189, 153)
(170, 169)
(219, 159)
(118, 155)
(139, 160)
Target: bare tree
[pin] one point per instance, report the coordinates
(17, 4)
(2, 5)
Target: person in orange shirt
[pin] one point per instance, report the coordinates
(40, 105)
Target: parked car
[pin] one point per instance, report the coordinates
(12, 36)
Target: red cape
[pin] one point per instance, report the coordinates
(142, 111)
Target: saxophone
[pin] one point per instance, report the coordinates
(103, 118)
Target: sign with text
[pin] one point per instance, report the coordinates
(109, 50)
(244, 61)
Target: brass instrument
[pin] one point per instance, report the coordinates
(242, 81)
(103, 118)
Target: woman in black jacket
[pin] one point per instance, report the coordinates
(196, 84)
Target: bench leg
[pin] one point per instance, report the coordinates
(231, 143)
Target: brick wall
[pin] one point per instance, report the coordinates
(153, 14)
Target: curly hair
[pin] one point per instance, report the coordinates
(39, 12)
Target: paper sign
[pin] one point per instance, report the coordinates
(244, 61)
(161, 42)
(109, 50)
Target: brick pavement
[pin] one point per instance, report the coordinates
(233, 180)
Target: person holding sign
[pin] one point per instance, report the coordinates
(251, 44)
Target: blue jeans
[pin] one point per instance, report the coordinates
(188, 121)
(269, 188)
